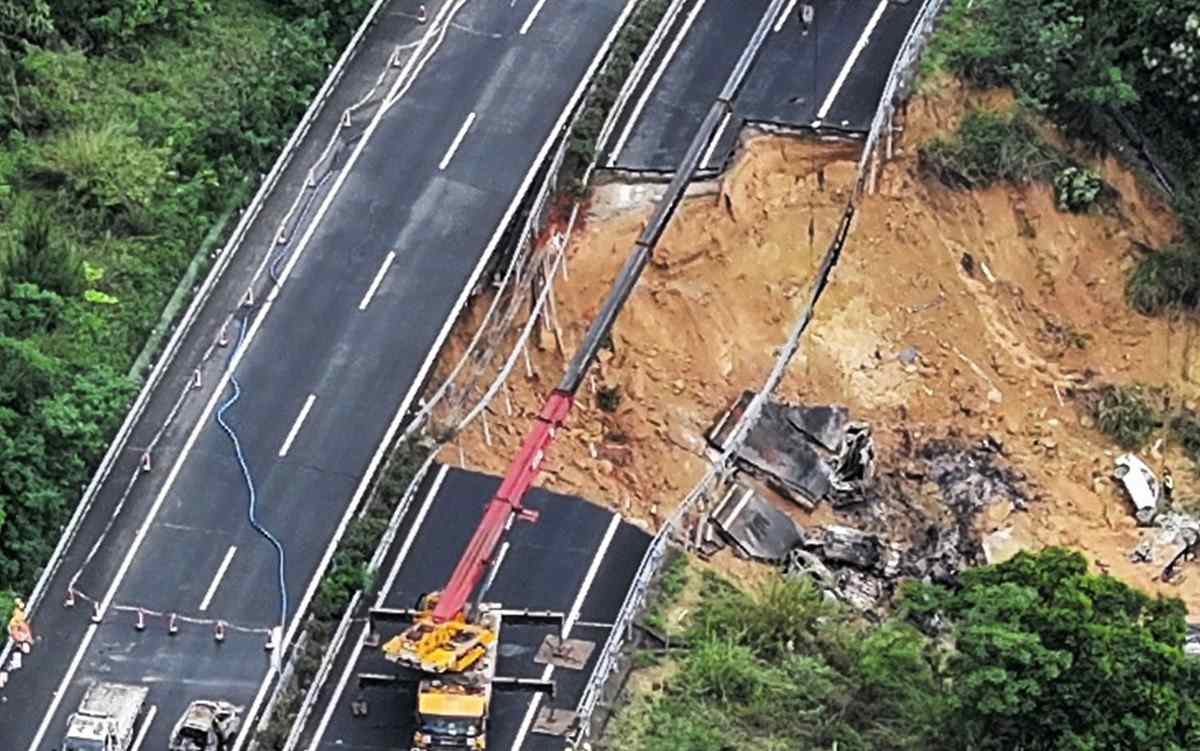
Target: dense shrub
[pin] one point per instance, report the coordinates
(1126, 415)
(1077, 188)
(1035, 653)
(1166, 280)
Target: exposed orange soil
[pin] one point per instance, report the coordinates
(1039, 303)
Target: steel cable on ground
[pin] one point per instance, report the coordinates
(241, 459)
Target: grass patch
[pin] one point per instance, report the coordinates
(1013, 649)
(987, 148)
(1185, 429)
(670, 585)
(1166, 281)
(781, 669)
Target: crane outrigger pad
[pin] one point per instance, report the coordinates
(571, 654)
(553, 721)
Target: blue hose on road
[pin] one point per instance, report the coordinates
(237, 449)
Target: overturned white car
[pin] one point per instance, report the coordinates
(1142, 485)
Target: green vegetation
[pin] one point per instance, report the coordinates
(1077, 189)
(1075, 61)
(989, 147)
(1166, 281)
(581, 148)
(127, 127)
(1035, 653)
(670, 585)
(1126, 414)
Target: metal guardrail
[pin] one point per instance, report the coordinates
(652, 560)
(137, 409)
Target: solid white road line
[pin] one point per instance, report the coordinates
(586, 587)
(145, 528)
(537, 8)
(352, 664)
(716, 139)
(387, 264)
(783, 17)
(859, 46)
(572, 617)
(291, 436)
(141, 736)
(412, 534)
(462, 133)
(658, 73)
(62, 688)
(216, 582)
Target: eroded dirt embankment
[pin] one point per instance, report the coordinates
(722, 291)
(1008, 303)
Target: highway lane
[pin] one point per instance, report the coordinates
(440, 210)
(577, 558)
(829, 74)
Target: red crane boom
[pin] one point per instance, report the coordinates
(498, 515)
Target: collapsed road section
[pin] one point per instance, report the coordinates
(324, 367)
(579, 559)
(821, 69)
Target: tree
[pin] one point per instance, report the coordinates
(1049, 656)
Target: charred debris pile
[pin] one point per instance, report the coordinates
(879, 525)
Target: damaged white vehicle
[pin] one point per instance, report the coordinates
(1141, 484)
(206, 726)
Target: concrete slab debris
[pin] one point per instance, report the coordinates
(755, 527)
(807, 454)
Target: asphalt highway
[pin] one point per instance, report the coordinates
(578, 558)
(329, 365)
(828, 74)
